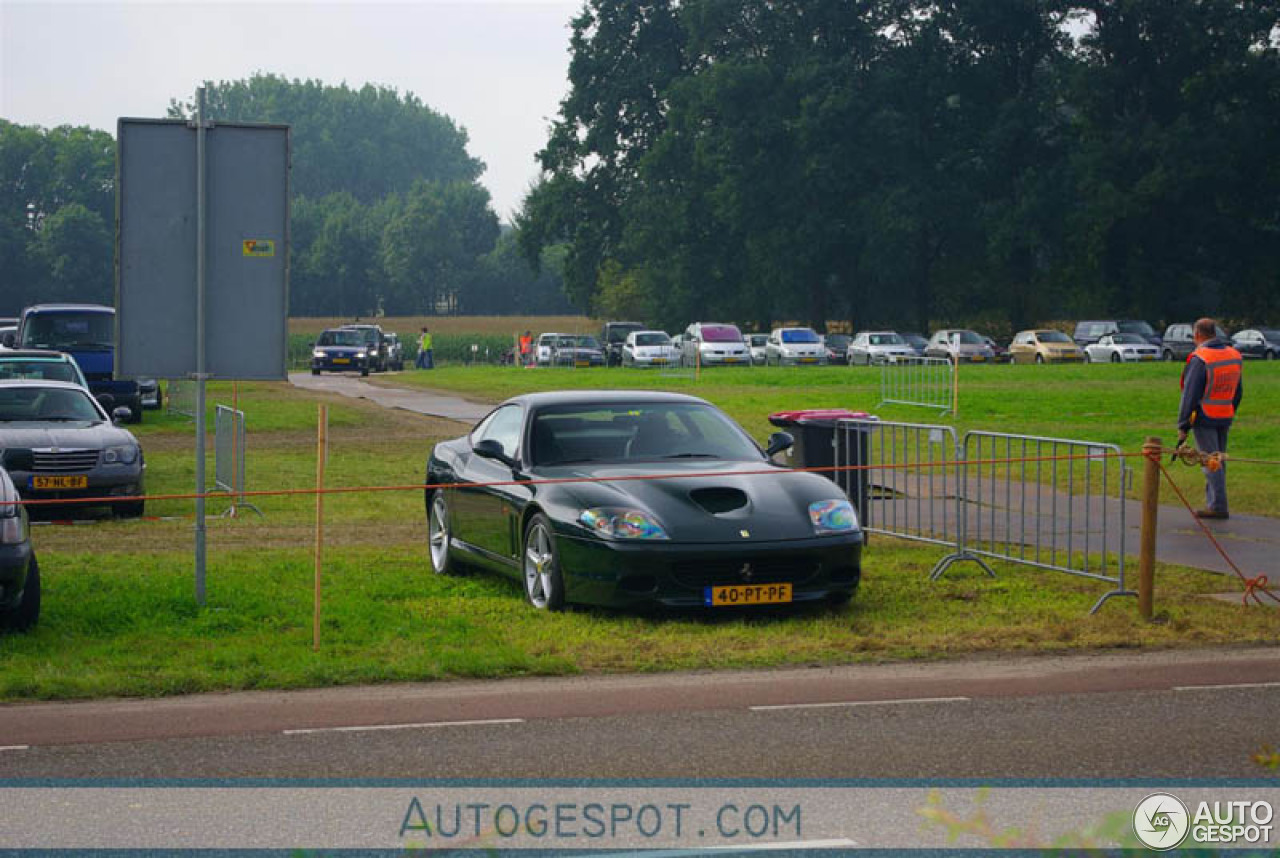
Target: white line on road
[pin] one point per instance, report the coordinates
(372, 727)
(15, 747)
(1226, 687)
(858, 703)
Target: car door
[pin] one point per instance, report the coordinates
(482, 513)
(1249, 344)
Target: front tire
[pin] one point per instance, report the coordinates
(23, 617)
(1167, 355)
(1115, 358)
(1270, 355)
(543, 580)
(1039, 358)
(439, 535)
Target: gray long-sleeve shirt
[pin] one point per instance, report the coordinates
(1194, 376)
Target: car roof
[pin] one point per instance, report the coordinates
(609, 397)
(97, 308)
(650, 331)
(34, 382)
(36, 354)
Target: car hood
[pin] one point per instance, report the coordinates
(341, 350)
(690, 498)
(73, 436)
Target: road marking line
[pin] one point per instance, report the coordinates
(15, 747)
(858, 703)
(373, 727)
(1222, 687)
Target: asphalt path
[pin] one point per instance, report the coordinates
(424, 402)
(1174, 714)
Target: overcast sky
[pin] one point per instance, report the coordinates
(497, 68)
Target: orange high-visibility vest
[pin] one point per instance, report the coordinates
(1222, 380)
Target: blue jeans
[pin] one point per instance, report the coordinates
(1213, 439)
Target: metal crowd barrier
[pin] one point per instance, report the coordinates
(1048, 503)
(911, 478)
(181, 398)
(922, 381)
(229, 448)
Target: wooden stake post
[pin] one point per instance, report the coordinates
(1150, 512)
(322, 428)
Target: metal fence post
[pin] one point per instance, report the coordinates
(1150, 513)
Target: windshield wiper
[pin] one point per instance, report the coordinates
(692, 456)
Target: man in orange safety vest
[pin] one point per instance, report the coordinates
(1212, 387)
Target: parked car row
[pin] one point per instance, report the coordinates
(720, 344)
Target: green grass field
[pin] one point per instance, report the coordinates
(119, 616)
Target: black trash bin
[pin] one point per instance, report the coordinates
(820, 445)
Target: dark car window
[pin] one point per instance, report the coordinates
(1128, 339)
(652, 339)
(52, 370)
(646, 431)
(886, 340)
(69, 329)
(504, 427)
(42, 403)
(1271, 335)
(721, 334)
(340, 338)
(1140, 328)
(799, 335)
(1054, 337)
(588, 343)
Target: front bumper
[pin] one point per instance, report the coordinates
(330, 364)
(676, 575)
(802, 360)
(104, 481)
(725, 360)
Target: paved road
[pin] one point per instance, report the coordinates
(1157, 715)
(417, 401)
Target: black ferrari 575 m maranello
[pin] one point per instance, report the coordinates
(637, 498)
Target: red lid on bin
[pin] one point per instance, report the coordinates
(815, 415)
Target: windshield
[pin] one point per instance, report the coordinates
(30, 404)
(1141, 328)
(799, 335)
(609, 432)
(721, 334)
(1132, 339)
(1054, 337)
(69, 330)
(1270, 334)
(588, 343)
(618, 333)
(652, 339)
(758, 339)
(340, 338)
(50, 370)
(886, 340)
(967, 338)
(838, 341)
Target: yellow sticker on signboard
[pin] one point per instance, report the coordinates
(259, 247)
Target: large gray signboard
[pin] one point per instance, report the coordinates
(247, 250)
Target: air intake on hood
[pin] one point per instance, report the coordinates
(718, 500)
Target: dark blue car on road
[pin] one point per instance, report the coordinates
(341, 350)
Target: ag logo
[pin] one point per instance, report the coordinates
(1161, 821)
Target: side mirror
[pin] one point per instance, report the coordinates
(8, 340)
(491, 449)
(121, 414)
(778, 442)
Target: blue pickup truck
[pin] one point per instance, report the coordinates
(87, 333)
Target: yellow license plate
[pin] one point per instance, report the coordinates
(1148, 357)
(747, 594)
(978, 358)
(808, 360)
(582, 363)
(77, 481)
(342, 360)
(659, 360)
(730, 360)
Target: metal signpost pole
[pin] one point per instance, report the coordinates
(200, 350)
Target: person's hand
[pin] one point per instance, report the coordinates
(1182, 438)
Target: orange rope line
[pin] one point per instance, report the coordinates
(1252, 586)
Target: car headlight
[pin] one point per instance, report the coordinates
(833, 516)
(317, 354)
(13, 526)
(622, 523)
(125, 454)
(360, 354)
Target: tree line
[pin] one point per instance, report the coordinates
(901, 162)
(388, 215)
